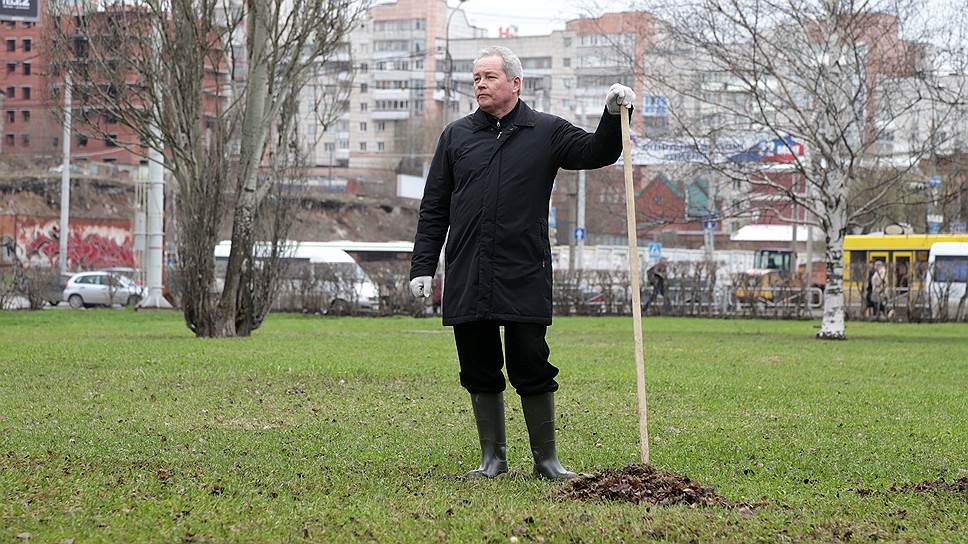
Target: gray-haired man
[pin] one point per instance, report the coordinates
(489, 183)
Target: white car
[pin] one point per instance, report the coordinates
(101, 288)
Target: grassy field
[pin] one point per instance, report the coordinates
(118, 425)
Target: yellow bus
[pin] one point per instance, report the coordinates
(905, 256)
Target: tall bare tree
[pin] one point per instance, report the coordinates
(835, 76)
(215, 86)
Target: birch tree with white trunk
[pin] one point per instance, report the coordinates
(836, 76)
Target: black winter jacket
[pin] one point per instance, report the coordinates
(491, 186)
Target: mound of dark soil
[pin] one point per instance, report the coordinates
(958, 486)
(643, 483)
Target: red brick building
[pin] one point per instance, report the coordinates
(32, 88)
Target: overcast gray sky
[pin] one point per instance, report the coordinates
(530, 16)
(535, 17)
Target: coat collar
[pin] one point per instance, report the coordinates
(524, 118)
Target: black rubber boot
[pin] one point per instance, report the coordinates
(489, 414)
(539, 414)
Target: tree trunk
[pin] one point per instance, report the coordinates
(834, 224)
(252, 146)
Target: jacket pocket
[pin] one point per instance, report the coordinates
(543, 252)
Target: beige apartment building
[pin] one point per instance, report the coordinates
(393, 76)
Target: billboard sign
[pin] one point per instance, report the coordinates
(784, 149)
(19, 10)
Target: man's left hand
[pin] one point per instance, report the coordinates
(619, 95)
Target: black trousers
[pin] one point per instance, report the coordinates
(481, 357)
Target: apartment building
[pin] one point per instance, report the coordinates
(26, 121)
(393, 73)
(32, 88)
(390, 102)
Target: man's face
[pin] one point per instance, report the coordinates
(494, 92)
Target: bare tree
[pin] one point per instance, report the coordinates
(215, 86)
(827, 81)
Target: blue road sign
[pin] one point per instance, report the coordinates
(958, 228)
(579, 233)
(655, 250)
(934, 181)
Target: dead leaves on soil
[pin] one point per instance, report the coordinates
(645, 483)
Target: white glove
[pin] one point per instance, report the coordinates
(619, 95)
(421, 286)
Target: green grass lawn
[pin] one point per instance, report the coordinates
(118, 425)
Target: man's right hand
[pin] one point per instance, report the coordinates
(421, 286)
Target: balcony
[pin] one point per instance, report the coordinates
(391, 94)
(390, 115)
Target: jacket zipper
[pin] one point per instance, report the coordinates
(499, 134)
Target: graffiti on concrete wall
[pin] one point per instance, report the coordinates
(93, 243)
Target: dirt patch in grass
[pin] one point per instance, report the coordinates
(644, 483)
(958, 486)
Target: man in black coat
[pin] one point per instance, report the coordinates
(489, 183)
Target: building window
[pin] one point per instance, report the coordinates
(27, 44)
(25, 115)
(26, 68)
(54, 142)
(363, 87)
(26, 93)
(566, 62)
(11, 116)
(10, 140)
(364, 67)
(25, 140)
(110, 160)
(362, 126)
(362, 146)
(111, 140)
(11, 67)
(567, 42)
(363, 106)
(381, 126)
(11, 45)
(380, 146)
(81, 140)
(329, 146)
(10, 91)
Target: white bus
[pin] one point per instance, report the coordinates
(946, 278)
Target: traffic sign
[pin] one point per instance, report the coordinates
(655, 250)
(958, 228)
(579, 233)
(934, 181)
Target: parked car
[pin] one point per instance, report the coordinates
(101, 288)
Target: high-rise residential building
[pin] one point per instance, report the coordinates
(387, 80)
(394, 109)
(33, 93)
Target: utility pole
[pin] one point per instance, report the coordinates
(708, 225)
(156, 235)
(448, 63)
(580, 230)
(65, 203)
(793, 231)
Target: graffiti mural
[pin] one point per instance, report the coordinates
(93, 243)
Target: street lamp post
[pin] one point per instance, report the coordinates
(448, 63)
